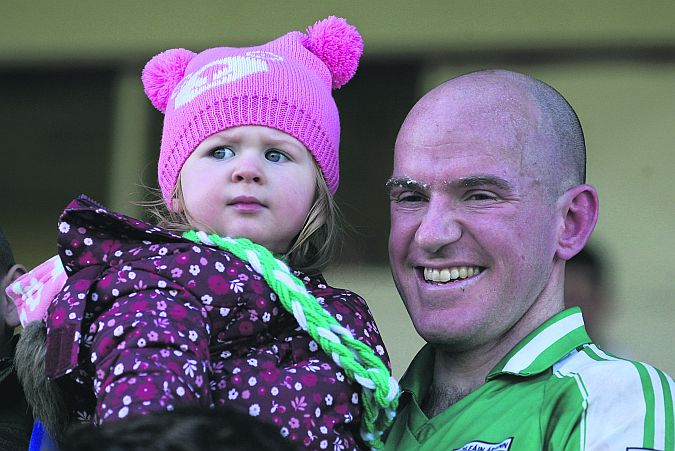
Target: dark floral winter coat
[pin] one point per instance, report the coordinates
(149, 321)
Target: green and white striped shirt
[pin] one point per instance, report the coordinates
(554, 391)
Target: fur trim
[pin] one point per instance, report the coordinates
(44, 396)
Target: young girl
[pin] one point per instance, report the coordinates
(192, 312)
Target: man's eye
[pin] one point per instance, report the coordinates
(481, 196)
(221, 153)
(276, 156)
(407, 197)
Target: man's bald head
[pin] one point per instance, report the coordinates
(547, 128)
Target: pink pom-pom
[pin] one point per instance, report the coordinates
(338, 44)
(162, 73)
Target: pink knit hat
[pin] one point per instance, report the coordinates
(285, 84)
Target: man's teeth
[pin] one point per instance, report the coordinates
(448, 274)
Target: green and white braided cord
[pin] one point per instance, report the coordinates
(380, 390)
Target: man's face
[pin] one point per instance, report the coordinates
(473, 231)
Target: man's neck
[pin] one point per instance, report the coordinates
(459, 373)
(456, 375)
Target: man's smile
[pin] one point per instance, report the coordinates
(450, 274)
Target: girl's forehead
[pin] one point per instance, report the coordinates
(257, 135)
(255, 130)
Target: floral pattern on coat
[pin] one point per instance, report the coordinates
(149, 321)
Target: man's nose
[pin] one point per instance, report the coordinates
(439, 227)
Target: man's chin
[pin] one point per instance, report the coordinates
(441, 336)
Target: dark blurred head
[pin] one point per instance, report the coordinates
(6, 256)
(184, 429)
(585, 288)
(9, 271)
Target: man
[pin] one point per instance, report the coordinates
(15, 418)
(488, 202)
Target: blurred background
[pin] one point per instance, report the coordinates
(74, 120)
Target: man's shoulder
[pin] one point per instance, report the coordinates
(619, 400)
(608, 374)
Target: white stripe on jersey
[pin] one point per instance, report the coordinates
(584, 406)
(659, 399)
(659, 409)
(529, 353)
(615, 414)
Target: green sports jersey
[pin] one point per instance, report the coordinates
(554, 391)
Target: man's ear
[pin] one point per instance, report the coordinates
(579, 207)
(14, 273)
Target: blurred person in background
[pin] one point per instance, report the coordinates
(585, 287)
(184, 429)
(16, 421)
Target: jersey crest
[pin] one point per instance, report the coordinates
(477, 445)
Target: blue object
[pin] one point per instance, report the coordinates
(40, 440)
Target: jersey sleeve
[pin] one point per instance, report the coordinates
(630, 407)
(612, 403)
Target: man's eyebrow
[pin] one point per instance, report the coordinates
(405, 182)
(481, 180)
(463, 182)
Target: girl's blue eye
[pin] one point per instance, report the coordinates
(276, 156)
(221, 153)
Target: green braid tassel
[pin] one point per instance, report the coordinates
(380, 390)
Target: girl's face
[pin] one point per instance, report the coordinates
(250, 181)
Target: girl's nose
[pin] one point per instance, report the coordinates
(247, 170)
